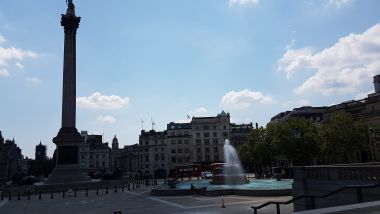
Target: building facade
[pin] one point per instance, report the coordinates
(94, 154)
(200, 141)
(10, 159)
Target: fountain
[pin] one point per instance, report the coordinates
(231, 172)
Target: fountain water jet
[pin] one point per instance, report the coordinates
(232, 171)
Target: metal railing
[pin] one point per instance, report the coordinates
(312, 198)
(130, 184)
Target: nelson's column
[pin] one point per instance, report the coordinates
(68, 139)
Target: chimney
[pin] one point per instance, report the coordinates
(376, 83)
(257, 126)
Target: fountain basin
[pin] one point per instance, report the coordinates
(236, 179)
(259, 187)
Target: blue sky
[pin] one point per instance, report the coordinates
(166, 59)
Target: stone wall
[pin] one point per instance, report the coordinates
(320, 180)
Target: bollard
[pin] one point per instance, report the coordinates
(97, 190)
(86, 191)
(129, 186)
(75, 192)
(10, 196)
(39, 195)
(122, 188)
(28, 195)
(51, 194)
(115, 188)
(117, 212)
(18, 196)
(107, 190)
(2, 196)
(63, 193)
(133, 185)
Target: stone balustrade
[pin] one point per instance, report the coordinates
(320, 180)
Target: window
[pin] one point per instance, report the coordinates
(173, 151)
(207, 149)
(172, 142)
(215, 149)
(198, 142)
(207, 141)
(207, 158)
(215, 141)
(186, 141)
(198, 135)
(206, 134)
(224, 127)
(146, 142)
(199, 150)
(216, 158)
(104, 156)
(162, 157)
(215, 134)
(225, 134)
(199, 158)
(179, 141)
(174, 159)
(146, 158)
(205, 127)
(179, 150)
(187, 150)
(186, 133)
(214, 127)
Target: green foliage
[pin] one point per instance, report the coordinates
(342, 137)
(295, 139)
(40, 167)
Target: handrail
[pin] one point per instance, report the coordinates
(312, 197)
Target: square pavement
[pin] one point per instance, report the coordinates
(137, 201)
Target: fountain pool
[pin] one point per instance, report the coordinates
(256, 187)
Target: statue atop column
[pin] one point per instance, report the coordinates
(70, 7)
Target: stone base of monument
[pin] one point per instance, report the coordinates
(68, 174)
(68, 169)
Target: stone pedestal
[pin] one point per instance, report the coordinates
(67, 163)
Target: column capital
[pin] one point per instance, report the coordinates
(70, 22)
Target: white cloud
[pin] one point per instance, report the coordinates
(242, 2)
(363, 95)
(244, 99)
(290, 45)
(2, 39)
(109, 119)
(4, 72)
(339, 69)
(182, 121)
(33, 80)
(99, 101)
(339, 3)
(201, 110)
(19, 65)
(11, 54)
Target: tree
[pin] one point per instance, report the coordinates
(295, 139)
(342, 137)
